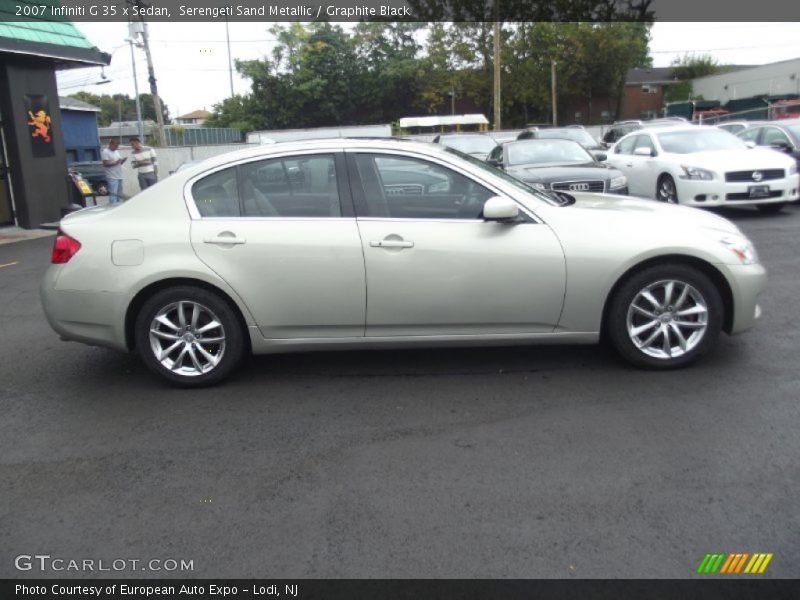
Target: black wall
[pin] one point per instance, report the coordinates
(40, 188)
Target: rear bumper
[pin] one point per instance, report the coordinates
(89, 317)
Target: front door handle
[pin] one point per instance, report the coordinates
(226, 238)
(391, 244)
(629, 165)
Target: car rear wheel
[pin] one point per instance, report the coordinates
(666, 190)
(771, 209)
(665, 317)
(190, 336)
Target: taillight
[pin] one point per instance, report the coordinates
(64, 248)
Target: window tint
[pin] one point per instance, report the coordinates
(625, 146)
(773, 135)
(408, 188)
(297, 186)
(217, 195)
(643, 141)
(750, 135)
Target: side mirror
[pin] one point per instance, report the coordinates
(498, 208)
(643, 152)
(494, 162)
(600, 156)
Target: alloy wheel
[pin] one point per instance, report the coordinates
(667, 319)
(667, 191)
(187, 338)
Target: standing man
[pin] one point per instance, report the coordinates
(144, 160)
(112, 165)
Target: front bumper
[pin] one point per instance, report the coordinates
(747, 283)
(729, 193)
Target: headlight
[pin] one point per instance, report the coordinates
(538, 186)
(696, 173)
(741, 247)
(793, 169)
(618, 182)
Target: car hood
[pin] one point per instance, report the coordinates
(645, 214)
(735, 160)
(554, 172)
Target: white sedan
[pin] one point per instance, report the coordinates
(704, 166)
(371, 243)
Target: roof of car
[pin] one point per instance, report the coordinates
(537, 141)
(331, 144)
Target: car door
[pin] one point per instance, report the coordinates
(282, 233)
(643, 168)
(435, 267)
(619, 158)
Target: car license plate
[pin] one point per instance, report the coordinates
(758, 191)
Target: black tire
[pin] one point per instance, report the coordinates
(620, 311)
(771, 209)
(211, 307)
(666, 191)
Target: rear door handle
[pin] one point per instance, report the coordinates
(391, 244)
(224, 240)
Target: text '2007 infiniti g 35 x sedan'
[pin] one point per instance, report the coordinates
(379, 243)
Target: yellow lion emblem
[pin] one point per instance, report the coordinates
(41, 125)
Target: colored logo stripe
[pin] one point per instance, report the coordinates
(734, 563)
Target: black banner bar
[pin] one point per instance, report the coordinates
(403, 589)
(401, 10)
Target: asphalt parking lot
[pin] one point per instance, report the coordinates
(511, 462)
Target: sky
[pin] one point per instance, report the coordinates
(191, 59)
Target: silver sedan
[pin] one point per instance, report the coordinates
(375, 244)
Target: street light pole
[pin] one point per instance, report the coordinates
(230, 64)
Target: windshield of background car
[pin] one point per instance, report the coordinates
(576, 135)
(470, 144)
(495, 172)
(546, 151)
(687, 142)
(794, 130)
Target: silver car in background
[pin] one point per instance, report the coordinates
(372, 244)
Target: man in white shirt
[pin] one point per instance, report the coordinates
(112, 165)
(145, 162)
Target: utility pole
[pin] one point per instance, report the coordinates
(162, 137)
(497, 29)
(553, 90)
(139, 127)
(230, 64)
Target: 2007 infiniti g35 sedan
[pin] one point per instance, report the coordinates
(367, 244)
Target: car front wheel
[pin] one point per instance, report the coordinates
(190, 336)
(666, 190)
(665, 317)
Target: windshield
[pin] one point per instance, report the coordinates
(687, 142)
(576, 135)
(794, 130)
(470, 144)
(547, 152)
(547, 197)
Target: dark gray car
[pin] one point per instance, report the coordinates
(560, 165)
